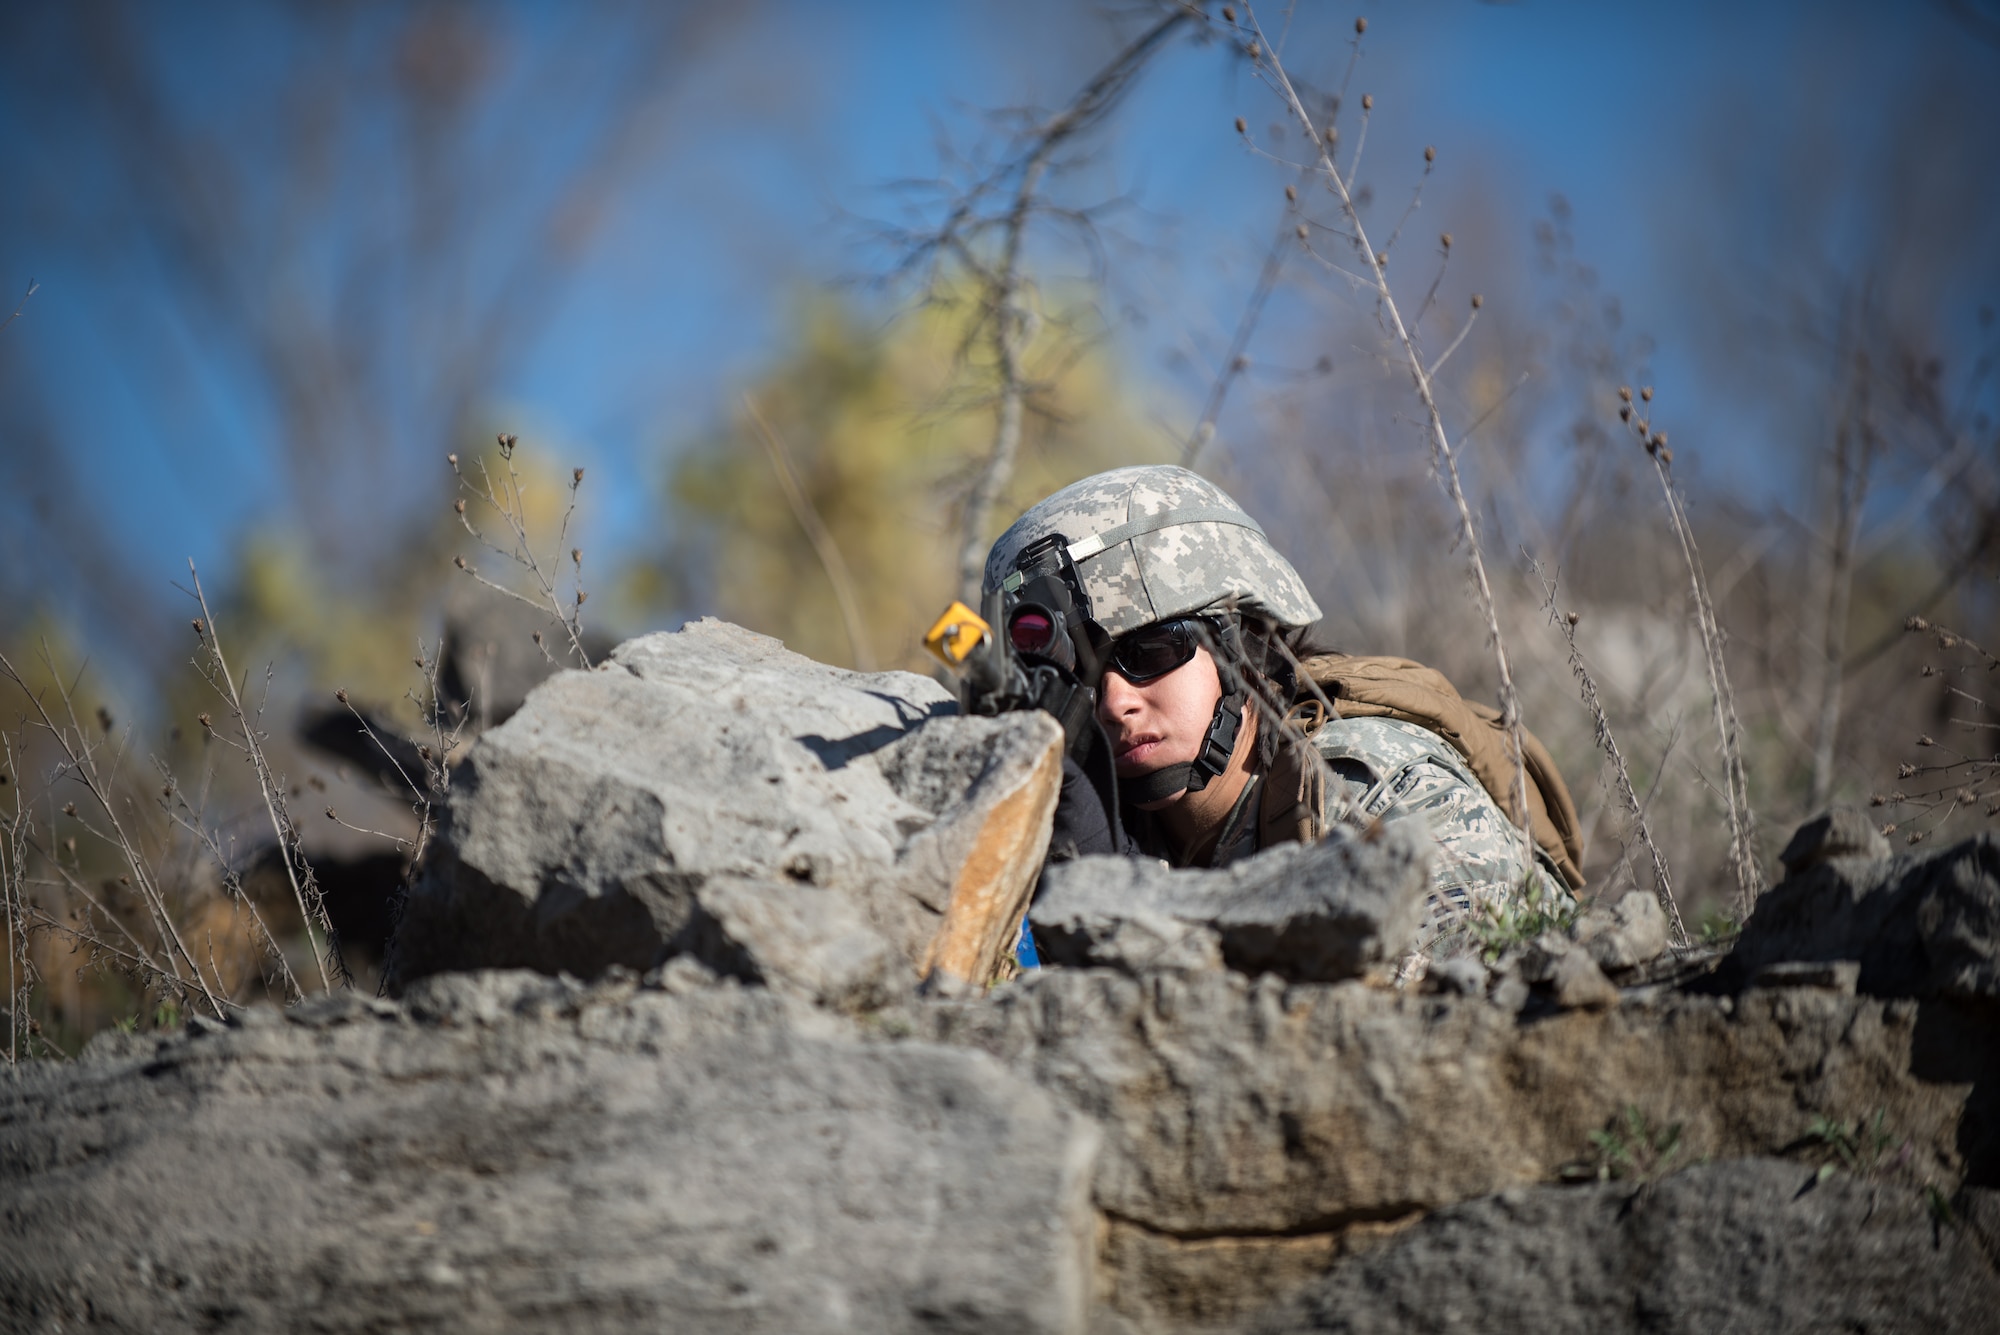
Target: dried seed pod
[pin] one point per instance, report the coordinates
(459, 561)
(581, 594)
(1477, 301)
(1368, 102)
(1360, 26)
(1445, 240)
(1254, 51)
(1381, 259)
(1876, 799)
(1240, 365)
(1927, 671)
(424, 752)
(166, 790)
(1647, 393)
(1890, 828)
(1573, 618)
(124, 880)
(203, 720)
(1291, 194)
(330, 815)
(1916, 623)
(1430, 154)
(1228, 14)
(1925, 740)
(419, 662)
(536, 636)
(576, 555)
(1301, 230)
(1625, 413)
(1625, 393)
(1241, 125)
(341, 695)
(1913, 836)
(575, 476)
(1906, 770)
(1666, 456)
(451, 459)
(198, 627)
(69, 808)
(459, 505)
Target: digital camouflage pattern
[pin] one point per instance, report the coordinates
(1171, 571)
(1385, 768)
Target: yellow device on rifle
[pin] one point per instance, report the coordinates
(956, 634)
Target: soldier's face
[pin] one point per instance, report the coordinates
(1163, 721)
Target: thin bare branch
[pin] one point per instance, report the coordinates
(1441, 446)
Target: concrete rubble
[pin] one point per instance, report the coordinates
(700, 1024)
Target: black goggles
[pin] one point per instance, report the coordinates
(1153, 651)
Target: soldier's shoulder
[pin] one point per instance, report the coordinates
(1382, 743)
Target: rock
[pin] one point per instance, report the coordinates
(1576, 983)
(1347, 906)
(1626, 934)
(1920, 924)
(1459, 975)
(1843, 832)
(833, 833)
(508, 1152)
(1255, 1129)
(1746, 1245)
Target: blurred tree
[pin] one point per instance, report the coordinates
(880, 440)
(362, 214)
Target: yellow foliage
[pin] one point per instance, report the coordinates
(885, 435)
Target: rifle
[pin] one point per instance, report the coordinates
(1049, 654)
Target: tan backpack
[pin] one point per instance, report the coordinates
(1382, 687)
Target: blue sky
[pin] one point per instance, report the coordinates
(782, 134)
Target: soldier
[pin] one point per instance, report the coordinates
(1203, 705)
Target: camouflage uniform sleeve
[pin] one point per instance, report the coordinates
(1398, 771)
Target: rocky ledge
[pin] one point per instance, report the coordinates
(697, 1028)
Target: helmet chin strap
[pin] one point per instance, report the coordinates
(1192, 775)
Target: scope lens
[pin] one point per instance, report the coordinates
(1031, 632)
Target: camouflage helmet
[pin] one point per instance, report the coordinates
(1155, 541)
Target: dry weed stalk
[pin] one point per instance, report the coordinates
(1236, 361)
(1628, 796)
(175, 966)
(821, 537)
(214, 668)
(1736, 786)
(1964, 781)
(16, 831)
(508, 502)
(1266, 62)
(33, 287)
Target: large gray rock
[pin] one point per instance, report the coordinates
(1921, 924)
(1345, 907)
(1750, 1245)
(507, 1152)
(832, 833)
(1255, 1130)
